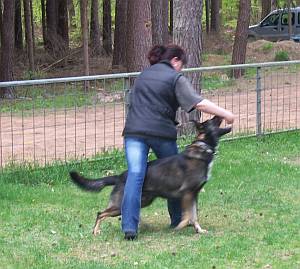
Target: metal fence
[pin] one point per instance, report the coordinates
(72, 118)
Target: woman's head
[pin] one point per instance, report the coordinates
(174, 53)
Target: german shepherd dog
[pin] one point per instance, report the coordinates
(179, 176)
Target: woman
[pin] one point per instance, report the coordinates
(158, 92)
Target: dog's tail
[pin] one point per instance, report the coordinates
(95, 185)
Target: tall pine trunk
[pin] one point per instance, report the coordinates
(28, 34)
(159, 18)
(241, 35)
(0, 20)
(18, 26)
(139, 36)
(265, 8)
(119, 52)
(171, 18)
(72, 14)
(7, 46)
(207, 15)
(51, 26)
(215, 16)
(62, 24)
(85, 35)
(32, 26)
(107, 42)
(44, 27)
(95, 35)
(188, 34)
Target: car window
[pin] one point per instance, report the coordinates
(285, 19)
(271, 20)
(299, 18)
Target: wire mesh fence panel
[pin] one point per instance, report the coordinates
(61, 122)
(73, 118)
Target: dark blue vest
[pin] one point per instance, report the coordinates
(153, 103)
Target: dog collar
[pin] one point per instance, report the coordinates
(208, 149)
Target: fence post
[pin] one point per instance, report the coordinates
(127, 95)
(258, 102)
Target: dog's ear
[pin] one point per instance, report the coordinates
(197, 124)
(223, 131)
(217, 120)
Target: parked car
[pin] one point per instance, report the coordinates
(275, 26)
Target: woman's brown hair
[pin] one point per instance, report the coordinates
(161, 52)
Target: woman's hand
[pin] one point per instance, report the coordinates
(211, 108)
(229, 118)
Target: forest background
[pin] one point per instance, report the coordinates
(55, 38)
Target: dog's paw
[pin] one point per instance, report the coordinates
(199, 230)
(96, 232)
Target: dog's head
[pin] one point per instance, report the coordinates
(210, 132)
(208, 135)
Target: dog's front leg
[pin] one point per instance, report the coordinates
(194, 218)
(186, 206)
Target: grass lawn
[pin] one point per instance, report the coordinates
(251, 208)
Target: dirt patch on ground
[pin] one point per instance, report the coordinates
(295, 161)
(265, 51)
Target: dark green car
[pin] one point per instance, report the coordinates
(275, 26)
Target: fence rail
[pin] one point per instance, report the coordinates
(79, 117)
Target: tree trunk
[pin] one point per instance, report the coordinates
(57, 27)
(159, 18)
(171, 18)
(139, 37)
(7, 47)
(95, 35)
(290, 18)
(72, 14)
(18, 26)
(44, 28)
(32, 26)
(62, 24)
(0, 21)
(265, 8)
(274, 4)
(107, 42)
(221, 12)
(51, 22)
(207, 9)
(85, 35)
(28, 34)
(119, 52)
(241, 34)
(188, 34)
(215, 16)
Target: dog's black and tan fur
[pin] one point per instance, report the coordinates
(179, 176)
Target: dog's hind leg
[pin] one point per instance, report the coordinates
(109, 212)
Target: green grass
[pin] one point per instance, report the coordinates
(281, 55)
(267, 47)
(250, 208)
(58, 96)
(215, 81)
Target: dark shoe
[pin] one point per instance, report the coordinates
(130, 236)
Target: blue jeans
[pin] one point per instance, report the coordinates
(136, 150)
